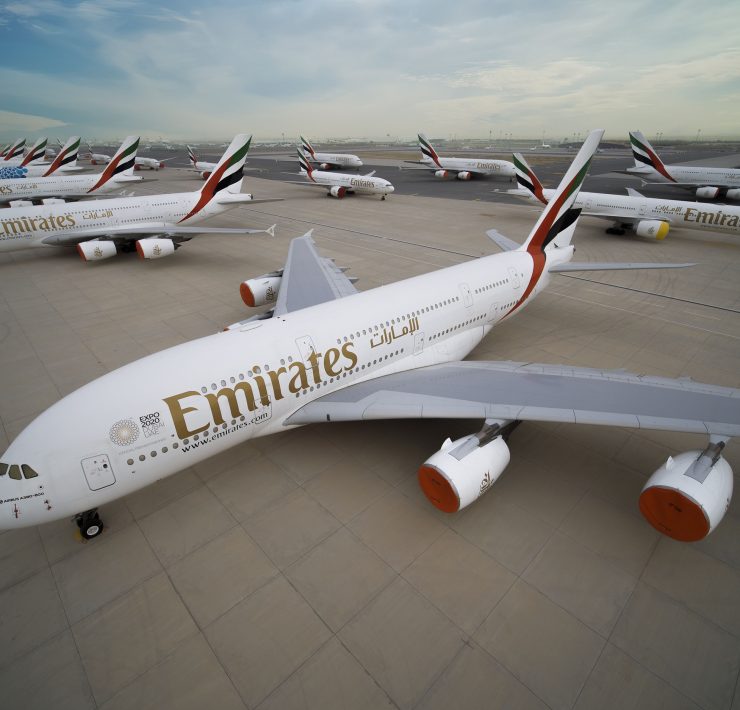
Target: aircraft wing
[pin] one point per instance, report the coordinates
(125, 232)
(535, 392)
(309, 278)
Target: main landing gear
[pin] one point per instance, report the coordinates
(617, 228)
(89, 523)
(382, 197)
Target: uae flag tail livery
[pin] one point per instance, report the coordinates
(526, 178)
(36, 153)
(15, 150)
(427, 151)
(227, 175)
(66, 157)
(304, 163)
(644, 155)
(122, 163)
(307, 147)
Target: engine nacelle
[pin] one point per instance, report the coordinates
(688, 495)
(137, 166)
(464, 175)
(52, 201)
(708, 193)
(259, 291)
(338, 192)
(96, 250)
(655, 228)
(324, 166)
(206, 174)
(21, 203)
(451, 483)
(441, 174)
(733, 193)
(154, 248)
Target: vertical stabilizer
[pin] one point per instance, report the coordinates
(36, 153)
(644, 155)
(527, 179)
(66, 157)
(122, 163)
(427, 150)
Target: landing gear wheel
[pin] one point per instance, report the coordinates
(383, 197)
(615, 230)
(89, 523)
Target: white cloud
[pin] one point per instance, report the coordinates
(11, 122)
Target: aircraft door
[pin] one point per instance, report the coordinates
(514, 277)
(643, 209)
(418, 343)
(98, 472)
(466, 294)
(305, 347)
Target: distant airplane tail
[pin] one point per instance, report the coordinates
(527, 179)
(644, 155)
(555, 227)
(227, 175)
(304, 164)
(427, 150)
(67, 156)
(307, 147)
(15, 150)
(191, 156)
(36, 153)
(122, 163)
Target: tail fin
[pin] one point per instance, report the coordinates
(4, 150)
(527, 179)
(35, 153)
(427, 150)
(304, 163)
(644, 154)
(558, 220)
(227, 175)
(67, 156)
(122, 163)
(15, 150)
(307, 147)
(191, 156)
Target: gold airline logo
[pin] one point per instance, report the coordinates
(716, 218)
(19, 226)
(193, 412)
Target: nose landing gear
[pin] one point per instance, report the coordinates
(89, 523)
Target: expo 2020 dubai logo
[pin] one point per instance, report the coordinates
(124, 432)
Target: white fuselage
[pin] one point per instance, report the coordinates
(203, 167)
(690, 215)
(168, 411)
(27, 227)
(477, 166)
(690, 175)
(351, 183)
(341, 160)
(149, 163)
(61, 186)
(99, 159)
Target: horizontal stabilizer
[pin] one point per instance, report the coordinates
(633, 193)
(503, 242)
(596, 266)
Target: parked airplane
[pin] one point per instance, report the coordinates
(149, 163)
(203, 167)
(327, 161)
(35, 155)
(154, 225)
(647, 216)
(14, 152)
(709, 183)
(461, 168)
(329, 353)
(21, 192)
(65, 161)
(97, 158)
(340, 184)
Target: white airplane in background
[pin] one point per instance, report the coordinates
(155, 225)
(329, 353)
(709, 183)
(203, 167)
(340, 184)
(647, 216)
(65, 161)
(327, 161)
(118, 173)
(139, 164)
(461, 168)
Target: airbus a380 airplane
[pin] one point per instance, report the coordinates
(461, 168)
(708, 182)
(202, 166)
(330, 353)
(64, 161)
(20, 193)
(155, 225)
(649, 217)
(327, 161)
(340, 184)
(139, 164)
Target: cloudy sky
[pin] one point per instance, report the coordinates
(368, 68)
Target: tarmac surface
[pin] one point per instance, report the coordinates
(306, 570)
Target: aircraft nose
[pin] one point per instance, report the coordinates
(391, 188)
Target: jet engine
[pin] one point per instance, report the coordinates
(708, 193)
(338, 192)
(463, 470)
(52, 201)
(206, 174)
(689, 494)
(96, 250)
(464, 175)
(733, 194)
(264, 289)
(154, 248)
(442, 174)
(324, 166)
(21, 203)
(654, 228)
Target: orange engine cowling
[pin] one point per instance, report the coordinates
(687, 497)
(205, 174)
(338, 192)
(464, 175)
(155, 248)
(462, 471)
(264, 289)
(95, 250)
(441, 174)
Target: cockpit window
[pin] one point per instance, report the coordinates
(3, 468)
(28, 472)
(15, 472)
